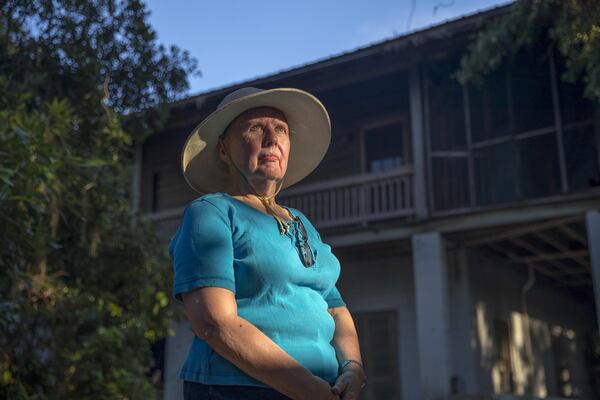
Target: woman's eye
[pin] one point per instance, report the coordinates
(256, 128)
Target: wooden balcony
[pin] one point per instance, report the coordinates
(347, 201)
(354, 199)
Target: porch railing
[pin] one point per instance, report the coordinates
(354, 199)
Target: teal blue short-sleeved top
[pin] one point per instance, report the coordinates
(226, 243)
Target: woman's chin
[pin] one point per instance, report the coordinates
(270, 172)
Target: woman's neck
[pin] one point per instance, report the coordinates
(265, 188)
(243, 193)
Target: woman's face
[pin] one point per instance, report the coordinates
(258, 141)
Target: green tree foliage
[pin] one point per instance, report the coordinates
(572, 25)
(83, 283)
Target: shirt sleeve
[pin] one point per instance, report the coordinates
(334, 299)
(202, 250)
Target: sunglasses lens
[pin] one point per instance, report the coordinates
(306, 254)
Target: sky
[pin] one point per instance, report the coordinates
(237, 40)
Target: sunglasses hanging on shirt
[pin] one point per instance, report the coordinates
(304, 250)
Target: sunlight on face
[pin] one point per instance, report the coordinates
(259, 143)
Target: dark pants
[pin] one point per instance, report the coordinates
(198, 391)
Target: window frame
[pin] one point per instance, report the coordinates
(557, 130)
(379, 123)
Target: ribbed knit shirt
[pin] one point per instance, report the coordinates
(227, 243)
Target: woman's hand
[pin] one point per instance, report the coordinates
(348, 384)
(212, 311)
(345, 340)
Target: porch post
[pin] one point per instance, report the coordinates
(431, 295)
(417, 136)
(592, 221)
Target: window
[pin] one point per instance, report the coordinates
(378, 334)
(447, 136)
(581, 157)
(495, 172)
(513, 128)
(386, 146)
(489, 107)
(531, 91)
(539, 173)
(451, 178)
(446, 106)
(579, 140)
(529, 135)
(574, 107)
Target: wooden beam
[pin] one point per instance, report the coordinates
(539, 266)
(561, 247)
(508, 233)
(555, 256)
(574, 235)
(511, 256)
(458, 223)
(535, 250)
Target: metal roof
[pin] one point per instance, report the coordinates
(414, 38)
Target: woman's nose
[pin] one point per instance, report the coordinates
(270, 136)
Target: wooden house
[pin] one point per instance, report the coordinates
(466, 219)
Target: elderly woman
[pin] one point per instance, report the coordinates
(256, 281)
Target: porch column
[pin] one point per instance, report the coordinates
(592, 221)
(431, 295)
(417, 135)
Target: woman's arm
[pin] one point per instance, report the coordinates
(212, 312)
(345, 342)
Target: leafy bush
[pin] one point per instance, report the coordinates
(84, 283)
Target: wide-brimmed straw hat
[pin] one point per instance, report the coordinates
(310, 135)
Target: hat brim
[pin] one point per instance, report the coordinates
(310, 135)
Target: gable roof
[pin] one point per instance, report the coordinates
(416, 38)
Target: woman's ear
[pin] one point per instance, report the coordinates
(222, 151)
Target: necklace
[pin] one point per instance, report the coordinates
(268, 203)
(304, 250)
